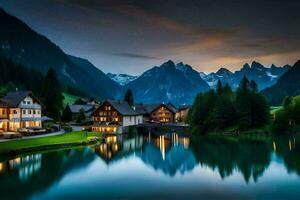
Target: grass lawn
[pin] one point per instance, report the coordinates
(67, 138)
(275, 109)
(69, 99)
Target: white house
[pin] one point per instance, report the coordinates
(19, 110)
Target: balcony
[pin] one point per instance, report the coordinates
(30, 106)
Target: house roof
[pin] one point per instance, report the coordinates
(140, 108)
(122, 107)
(149, 108)
(171, 106)
(184, 107)
(75, 108)
(13, 99)
(3, 104)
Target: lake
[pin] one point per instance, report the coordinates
(153, 166)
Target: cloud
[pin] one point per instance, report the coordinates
(137, 56)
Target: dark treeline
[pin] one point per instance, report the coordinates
(47, 88)
(287, 119)
(221, 109)
(14, 76)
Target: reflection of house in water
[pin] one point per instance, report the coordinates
(26, 166)
(164, 142)
(169, 153)
(118, 145)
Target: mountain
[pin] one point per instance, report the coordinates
(121, 79)
(264, 77)
(23, 45)
(169, 82)
(223, 74)
(287, 85)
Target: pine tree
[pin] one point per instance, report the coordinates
(243, 104)
(287, 101)
(253, 86)
(219, 87)
(224, 113)
(129, 97)
(81, 116)
(52, 97)
(227, 90)
(260, 110)
(244, 84)
(201, 113)
(67, 114)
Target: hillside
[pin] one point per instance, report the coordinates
(287, 85)
(23, 45)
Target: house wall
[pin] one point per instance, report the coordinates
(27, 114)
(162, 115)
(182, 115)
(3, 113)
(132, 120)
(107, 114)
(3, 126)
(30, 108)
(14, 114)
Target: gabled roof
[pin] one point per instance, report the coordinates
(171, 106)
(122, 107)
(75, 108)
(149, 108)
(13, 99)
(139, 108)
(3, 104)
(184, 107)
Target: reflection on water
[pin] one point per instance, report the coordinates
(26, 166)
(151, 165)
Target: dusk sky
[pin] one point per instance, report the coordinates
(131, 36)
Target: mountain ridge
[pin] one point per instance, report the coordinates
(178, 83)
(287, 85)
(25, 46)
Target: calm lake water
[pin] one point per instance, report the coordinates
(166, 166)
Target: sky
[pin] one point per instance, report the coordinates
(131, 36)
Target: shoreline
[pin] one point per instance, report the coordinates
(66, 140)
(43, 148)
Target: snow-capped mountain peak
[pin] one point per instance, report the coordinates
(264, 76)
(122, 79)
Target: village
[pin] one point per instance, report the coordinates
(21, 115)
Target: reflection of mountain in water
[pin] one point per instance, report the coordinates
(36, 172)
(176, 159)
(168, 153)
